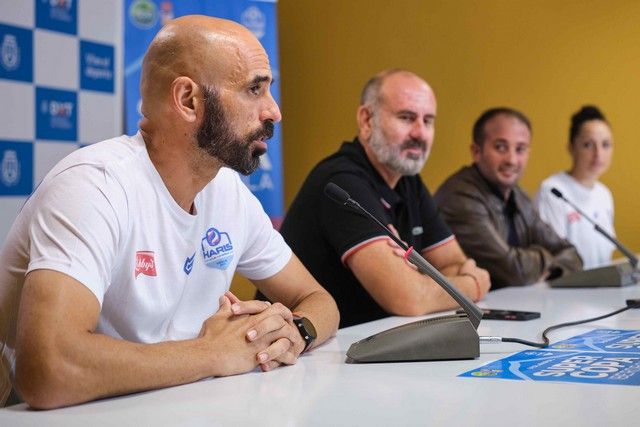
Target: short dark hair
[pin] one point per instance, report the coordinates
(586, 113)
(478, 133)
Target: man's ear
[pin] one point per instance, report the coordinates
(184, 98)
(475, 150)
(364, 117)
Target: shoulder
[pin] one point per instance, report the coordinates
(551, 180)
(116, 156)
(463, 182)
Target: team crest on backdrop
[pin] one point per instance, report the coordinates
(10, 52)
(254, 20)
(10, 168)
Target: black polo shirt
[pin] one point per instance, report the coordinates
(323, 233)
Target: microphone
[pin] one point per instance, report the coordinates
(633, 260)
(442, 338)
(611, 275)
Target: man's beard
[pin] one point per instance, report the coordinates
(391, 155)
(216, 137)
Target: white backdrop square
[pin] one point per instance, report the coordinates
(18, 12)
(47, 154)
(98, 21)
(56, 63)
(100, 117)
(16, 111)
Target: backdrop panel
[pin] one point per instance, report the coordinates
(59, 62)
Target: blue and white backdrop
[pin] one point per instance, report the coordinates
(59, 90)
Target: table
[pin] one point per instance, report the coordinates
(321, 389)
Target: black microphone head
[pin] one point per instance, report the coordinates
(556, 192)
(336, 193)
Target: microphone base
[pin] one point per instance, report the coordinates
(616, 275)
(442, 338)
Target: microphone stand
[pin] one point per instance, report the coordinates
(610, 275)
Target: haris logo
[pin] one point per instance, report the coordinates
(145, 263)
(217, 249)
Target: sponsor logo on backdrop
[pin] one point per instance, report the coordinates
(10, 168)
(254, 20)
(16, 168)
(145, 263)
(143, 14)
(56, 116)
(57, 15)
(97, 66)
(217, 249)
(166, 12)
(10, 52)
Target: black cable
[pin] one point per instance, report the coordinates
(545, 339)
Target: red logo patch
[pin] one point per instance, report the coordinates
(145, 263)
(573, 217)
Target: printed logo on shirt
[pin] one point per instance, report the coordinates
(217, 249)
(188, 264)
(573, 217)
(145, 263)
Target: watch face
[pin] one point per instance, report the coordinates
(308, 326)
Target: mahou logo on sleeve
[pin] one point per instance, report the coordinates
(145, 263)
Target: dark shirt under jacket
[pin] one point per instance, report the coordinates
(483, 221)
(322, 233)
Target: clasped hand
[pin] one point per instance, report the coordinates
(246, 334)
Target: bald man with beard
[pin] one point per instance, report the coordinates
(121, 261)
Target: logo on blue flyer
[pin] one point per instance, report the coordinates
(188, 264)
(96, 66)
(57, 15)
(16, 47)
(217, 249)
(16, 168)
(143, 14)
(56, 114)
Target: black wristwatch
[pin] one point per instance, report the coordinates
(306, 329)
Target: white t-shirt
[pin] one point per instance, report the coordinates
(596, 202)
(104, 217)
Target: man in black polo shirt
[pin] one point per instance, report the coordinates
(493, 217)
(344, 250)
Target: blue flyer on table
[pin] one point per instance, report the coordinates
(603, 340)
(602, 356)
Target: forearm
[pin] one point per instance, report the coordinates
(77, 369)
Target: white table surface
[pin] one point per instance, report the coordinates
(321, 389)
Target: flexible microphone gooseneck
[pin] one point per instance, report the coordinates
(474, 313)
(442, 338)
(633, 260)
